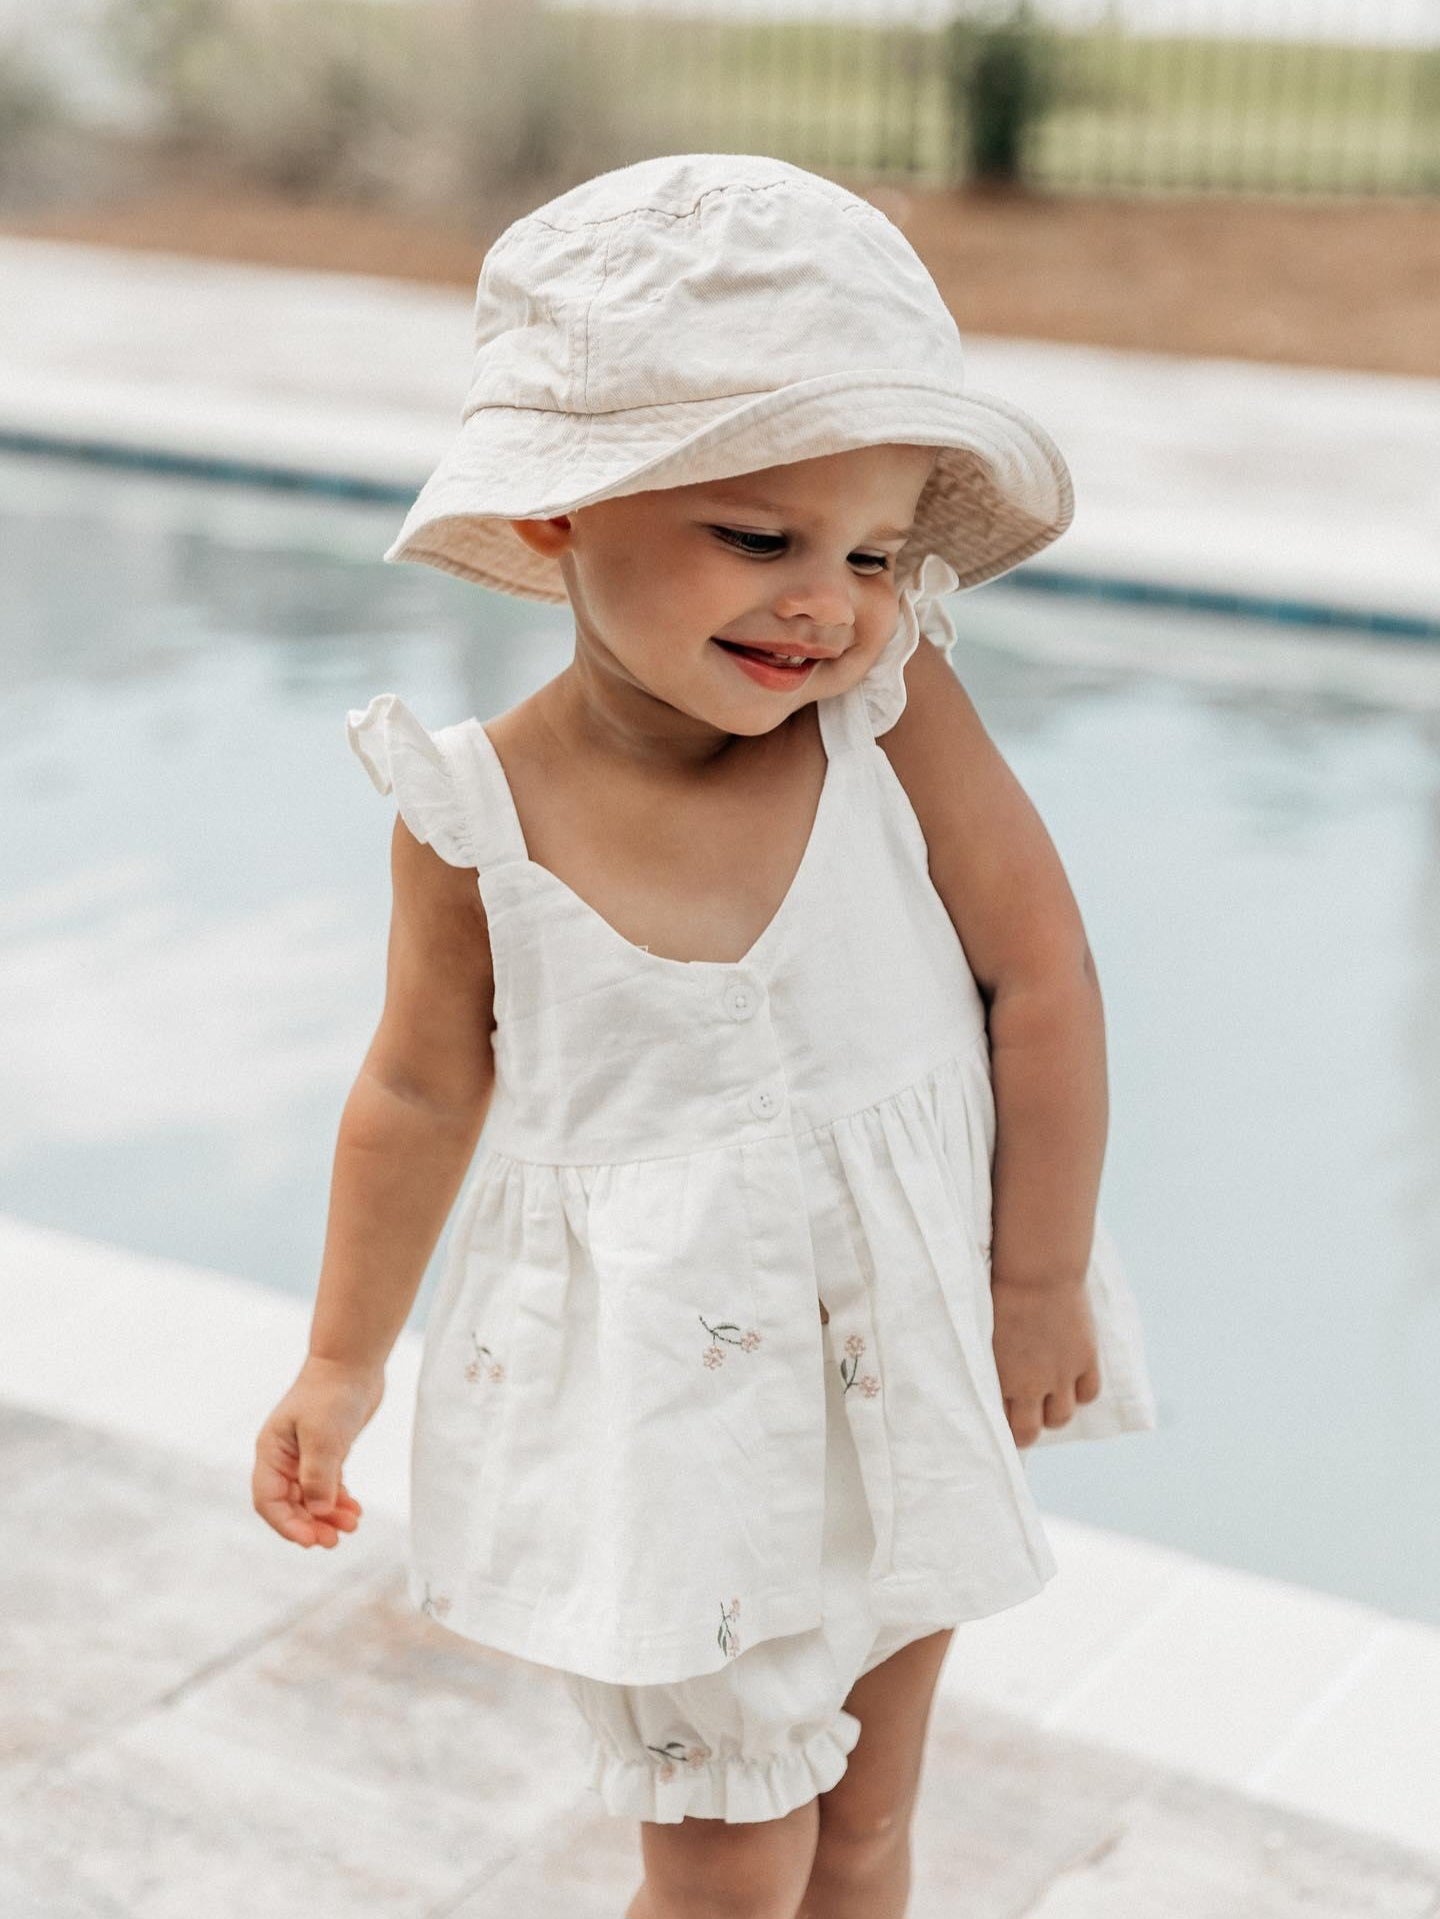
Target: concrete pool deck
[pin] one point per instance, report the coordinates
(1215, 476)
(1151, 1737)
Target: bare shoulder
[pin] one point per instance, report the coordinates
(991, 858)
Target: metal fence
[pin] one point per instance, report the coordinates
(1176, 95)
(1138, 96)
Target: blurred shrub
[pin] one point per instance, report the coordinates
(1427, 113)
(1002, 74)
(420, 102)
(30, 106)
(283, 93)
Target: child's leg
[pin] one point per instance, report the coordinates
(861, 1868)
(706, 1869)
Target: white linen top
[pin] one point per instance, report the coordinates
(619, 1441)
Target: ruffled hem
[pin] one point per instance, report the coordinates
(735, 1790)
(404, 757)
(921, 611)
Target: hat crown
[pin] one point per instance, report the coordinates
(701, 277)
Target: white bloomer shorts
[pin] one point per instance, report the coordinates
(768, 1731)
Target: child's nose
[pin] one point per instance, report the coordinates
(828, 605)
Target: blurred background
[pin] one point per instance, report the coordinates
(1231, 176)
(1245, 792)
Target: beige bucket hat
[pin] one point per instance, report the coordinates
(700, 315)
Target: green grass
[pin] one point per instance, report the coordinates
(1141, 114)
(344, 90)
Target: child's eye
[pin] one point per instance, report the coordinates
(772, 542)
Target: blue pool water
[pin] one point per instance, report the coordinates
(192, 932)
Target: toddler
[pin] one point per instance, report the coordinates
(738, 973)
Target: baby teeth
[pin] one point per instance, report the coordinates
(777, 659)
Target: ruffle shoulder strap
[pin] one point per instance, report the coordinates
(922, 610)
(404, 758)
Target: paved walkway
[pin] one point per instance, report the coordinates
(1219, 475)
(199, 1718)
(204, 1720)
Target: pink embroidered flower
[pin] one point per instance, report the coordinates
(673, 1752)
(727, 1637)
(484, 1365)
(850, 1368)
(730, 1334)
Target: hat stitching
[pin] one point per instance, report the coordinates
(589, 306)
(738, 393)
(683, 213)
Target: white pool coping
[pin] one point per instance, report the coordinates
(1299, 1699)
(1216, 475)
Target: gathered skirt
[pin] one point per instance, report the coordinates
(769, 1731)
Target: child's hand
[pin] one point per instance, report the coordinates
(296, 1486)
(1045, 1354)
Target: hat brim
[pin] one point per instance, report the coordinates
(1000, 490)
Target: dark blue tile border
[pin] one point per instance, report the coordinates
(206, 467)
(1029, 577)
(1250, 606)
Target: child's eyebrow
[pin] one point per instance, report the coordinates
(774, 506)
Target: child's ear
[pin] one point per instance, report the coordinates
(548, 537)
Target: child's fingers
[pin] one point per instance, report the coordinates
(321, 1485)
(1059, 1408)
(1025, 1416)
(277, 1497)
(344, 1511)
(288, 1516)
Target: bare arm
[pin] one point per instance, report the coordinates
(410, 1123)
(407, 1133)
(995, 867)
(993, 864)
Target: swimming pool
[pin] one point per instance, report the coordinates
(194, 901)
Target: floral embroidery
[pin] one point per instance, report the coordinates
(714, 1354)
(484, 1365)
(850, 1368)
(436, 1605)
(673, 1753)
(728, 1638)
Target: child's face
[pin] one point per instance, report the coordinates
(796, 558)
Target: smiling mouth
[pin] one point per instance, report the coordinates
(766, 658)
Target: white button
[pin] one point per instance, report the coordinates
(764, 1102)
(741, 999)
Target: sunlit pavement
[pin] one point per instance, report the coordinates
(1218, 475)
(197, 1711)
